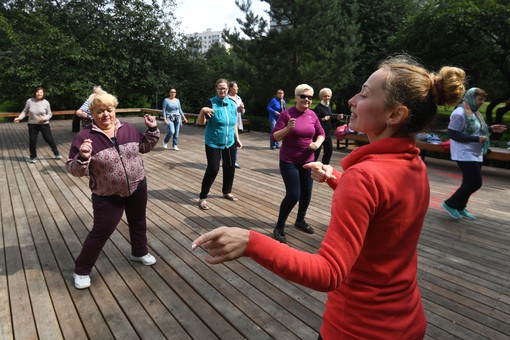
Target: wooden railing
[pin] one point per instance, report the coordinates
(192, 117)
(73, 112)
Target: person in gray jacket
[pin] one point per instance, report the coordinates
(39, 114)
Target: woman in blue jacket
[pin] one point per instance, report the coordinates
(221, 141)
(274, 108)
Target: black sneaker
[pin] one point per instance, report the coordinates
(279, 235)
(304, 226)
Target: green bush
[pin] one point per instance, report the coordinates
(258, 123)
(8, 106)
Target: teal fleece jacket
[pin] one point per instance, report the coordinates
(220, 128)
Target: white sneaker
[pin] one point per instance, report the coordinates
(176, 148)
(165, 145)
(147, 259)
(81, 281)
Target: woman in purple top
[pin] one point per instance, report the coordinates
(297, 127)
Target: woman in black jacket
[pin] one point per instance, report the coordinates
(325, 115)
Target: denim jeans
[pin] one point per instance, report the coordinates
(273, 143)
(471, 182)
(298, 187)
(173, 129)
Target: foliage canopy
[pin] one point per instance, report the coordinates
(134, 48)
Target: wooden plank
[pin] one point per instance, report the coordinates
(234, 279)
(6, 222)
(165, 320)
(23, 322)
(83, 301)
(42, 307)
(463, 269)
(53, 280)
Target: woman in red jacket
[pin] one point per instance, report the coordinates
(368, 259)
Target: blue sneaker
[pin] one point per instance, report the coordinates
(464, 213)
(454, 213)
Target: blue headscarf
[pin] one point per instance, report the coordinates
(473, 117)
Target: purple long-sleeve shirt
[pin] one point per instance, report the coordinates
(295, 144)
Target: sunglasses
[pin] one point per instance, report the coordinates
(304, 96)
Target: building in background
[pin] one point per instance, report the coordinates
(209, 38)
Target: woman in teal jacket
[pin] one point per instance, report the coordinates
(221, 141)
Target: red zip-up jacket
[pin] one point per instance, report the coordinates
(368, 259)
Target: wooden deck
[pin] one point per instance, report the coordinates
(464, 267)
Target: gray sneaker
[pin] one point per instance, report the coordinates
(32, 160)
(58, 156)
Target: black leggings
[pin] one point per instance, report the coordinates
(298, 187)
(214, 156)
(33, 132)
(327, 145)
(471, 182)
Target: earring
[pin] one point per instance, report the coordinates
(388, 124)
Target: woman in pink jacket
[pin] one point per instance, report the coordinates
(368, 260)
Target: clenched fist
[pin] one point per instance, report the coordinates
(150, 121)
(86, 149)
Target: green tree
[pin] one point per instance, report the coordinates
(470, 34)
(304, 46)
(130, 47)
(33, 52)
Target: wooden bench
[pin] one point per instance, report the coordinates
(499, 154)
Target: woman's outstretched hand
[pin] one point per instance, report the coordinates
(498, 128)
(223, 244)
(320, 172)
